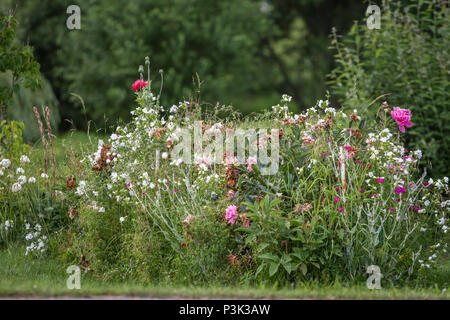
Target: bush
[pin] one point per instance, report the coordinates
(346, 195)
(407, 59)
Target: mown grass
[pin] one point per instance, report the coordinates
(21, 275)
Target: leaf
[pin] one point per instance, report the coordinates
(262, 246)
(260, 268)
(273, 268)
(268, 256)
(287, 267)
(304, 269)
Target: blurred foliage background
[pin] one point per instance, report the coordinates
(246, 53)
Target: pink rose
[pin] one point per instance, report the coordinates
(139, 84)
(231, 214)
(402, 117)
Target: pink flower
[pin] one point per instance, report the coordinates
(336, 200)
(340, 210)
(402, 117)
(347, 147)
(250, 161)
(361, 190)
(306, 140)
(231, 214)
(399, 190)
(139, 84)
(391, 209)
(230, 194)
(380, 180)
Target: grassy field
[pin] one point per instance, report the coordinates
(21, 276)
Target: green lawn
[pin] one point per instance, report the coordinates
(22, 275)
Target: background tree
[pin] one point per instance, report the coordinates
(16, 61)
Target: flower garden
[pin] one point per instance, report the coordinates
(345, 195)
(263, 149)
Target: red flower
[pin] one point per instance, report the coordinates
(139, 84)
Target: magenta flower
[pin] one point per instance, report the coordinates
(336, 200)
(340, 210)
(380, 180)
(139, 84)
(230, 194)
(250, 161)
(231, 214)
(402, 117)
(399, 190)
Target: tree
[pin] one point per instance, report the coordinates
(18, 61)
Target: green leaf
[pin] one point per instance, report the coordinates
(269, 257)
(260, 268)
(304, 269)
(273, 268)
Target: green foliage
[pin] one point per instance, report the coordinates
(216, 40)
(21, 107)
(407, 59)
(11, 141)
(246, 53)
(287, 243)
(17, 60)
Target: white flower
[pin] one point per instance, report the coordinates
(8, 224)
(20, 171)
(101, 209)
(5, 163)
(152, 185)
(164, 155)
(24, 159)
(16, 187)
(22, 179)
(31, 180)
(287, 98)
(122, 219)
(418, 154)
(427, 203)
(44, 176)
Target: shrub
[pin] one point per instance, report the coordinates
(408, 60)
(346, 195)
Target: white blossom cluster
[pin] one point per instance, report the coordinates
(36, 241)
